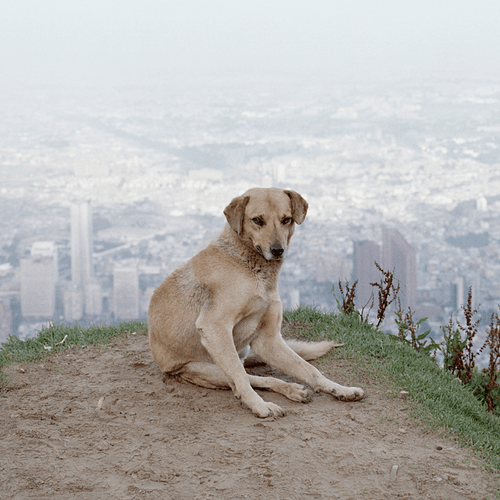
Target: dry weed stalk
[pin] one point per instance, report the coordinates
(491, 373)
(369, 305)
(388, 290)
(348, 305)
(470, 331)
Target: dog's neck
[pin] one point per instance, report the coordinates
(229, 241)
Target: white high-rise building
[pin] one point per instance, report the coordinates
(39, 274)
(46, 249)
(481, 204)
(92, 293)
(72, 303)
(459, 294)
(81, 243)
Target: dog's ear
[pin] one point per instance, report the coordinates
(299, 206)
(235, 213)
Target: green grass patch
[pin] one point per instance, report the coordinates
(443, 398)
(15, 350)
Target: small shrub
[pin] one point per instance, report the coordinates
(408, 327)
(470, 331)
(452, 349)
(489, 379)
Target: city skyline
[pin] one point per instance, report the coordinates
(159, 165)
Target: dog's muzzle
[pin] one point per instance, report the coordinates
(276, 252)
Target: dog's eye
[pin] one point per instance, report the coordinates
(258, 221)
(286, 221)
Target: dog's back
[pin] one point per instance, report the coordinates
(172, 314)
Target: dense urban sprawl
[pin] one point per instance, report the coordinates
(158, 165)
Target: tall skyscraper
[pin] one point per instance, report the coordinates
(72, 302)
(81, 243)
(39, 274)
(399, 256)
(458, 293)
(126, 293)
(92, 293)
(366, 253)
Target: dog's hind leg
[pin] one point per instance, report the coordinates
(295, 392)
(306, 350)
(212, 377)
(204, 375)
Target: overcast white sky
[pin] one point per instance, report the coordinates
(125, 41)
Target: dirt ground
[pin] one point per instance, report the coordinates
(100, 422)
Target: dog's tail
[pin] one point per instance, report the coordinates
(307, 350)
(312, 350)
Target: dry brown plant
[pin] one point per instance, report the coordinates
(491, 373)
(470, 331)
(348, 297)
(388, 290)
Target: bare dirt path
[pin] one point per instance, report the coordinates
(99, 422)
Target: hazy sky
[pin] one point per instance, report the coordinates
(124, 41)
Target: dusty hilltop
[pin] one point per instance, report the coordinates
(100, 422)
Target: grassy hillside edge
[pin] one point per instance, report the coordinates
(444, 402)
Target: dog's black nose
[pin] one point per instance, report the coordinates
(277, 250)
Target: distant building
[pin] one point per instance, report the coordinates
(126, 293)
(72, 303)
(400, 257)
(474, 285)
(457, 293)
(92, 294)
(81, 243)
(5, 319)
(38, 286)
(366, 253)
(46, 249)
(481, 204)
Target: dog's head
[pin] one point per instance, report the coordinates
(265, 219)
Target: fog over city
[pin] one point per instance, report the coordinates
(126, 128)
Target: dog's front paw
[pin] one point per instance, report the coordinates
(265, 409)
(345, 393)
(297, 392)
(350, 394)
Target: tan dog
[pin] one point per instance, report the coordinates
(205, 315)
